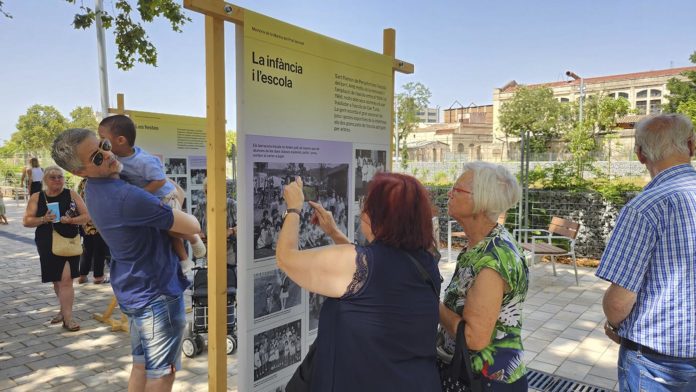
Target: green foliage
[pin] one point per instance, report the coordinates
(10, 174)
(441, 178)
(601, 113)
(615, 190)
(414, 98)
(535, 110)
(131, 38)
(682, 93)
(37, 129)
(231, 145)
(2, 12)
(83, 117)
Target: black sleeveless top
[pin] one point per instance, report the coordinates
(67, 207)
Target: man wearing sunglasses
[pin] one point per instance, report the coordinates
(145, 273)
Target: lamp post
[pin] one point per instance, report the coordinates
(582, 91)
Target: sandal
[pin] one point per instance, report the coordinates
(82, 279)
(101, 280)
(57, 319)
(71, 326)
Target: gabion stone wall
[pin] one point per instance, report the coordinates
(595, 215)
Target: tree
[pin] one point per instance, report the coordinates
(37, 129)
(132, 40)
(414, 98)
(231, 148)
(682, 93)
(83, 117)
(534, 110)
(2, 12)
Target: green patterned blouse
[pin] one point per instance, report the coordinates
(502, 360)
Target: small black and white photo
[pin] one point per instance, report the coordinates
(274, 292)
(175, 166)
(367, 163)
(182, 181)
(315, 303)
(198, 176)
(197, 196)
(359, 237)
(277, 348)
(325, 183)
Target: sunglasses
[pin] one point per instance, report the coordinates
(98, 158)
(55, 178)
(460, 190)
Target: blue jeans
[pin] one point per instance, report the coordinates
(157, 331)
(647, 372)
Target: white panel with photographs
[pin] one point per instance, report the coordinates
(275, 295)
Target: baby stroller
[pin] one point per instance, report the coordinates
(194, 343)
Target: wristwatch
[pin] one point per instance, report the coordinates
(289, 210)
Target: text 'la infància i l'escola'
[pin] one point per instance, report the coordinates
(258, 75)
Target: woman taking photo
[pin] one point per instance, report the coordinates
(60, 270)
(489, 283)
(377, 328)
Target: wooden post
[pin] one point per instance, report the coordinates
(217, 203)
(389, 49)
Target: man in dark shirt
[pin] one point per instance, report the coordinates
(145, 272)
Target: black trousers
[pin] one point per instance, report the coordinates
(94, 254)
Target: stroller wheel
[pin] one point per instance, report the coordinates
(189, 347)
(231, 344)
(200, 344)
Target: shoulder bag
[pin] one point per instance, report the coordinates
(64, 246)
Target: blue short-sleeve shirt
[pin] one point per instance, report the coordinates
(134, 225)
(142, 168)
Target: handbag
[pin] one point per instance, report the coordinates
(64, 246)
(300, 380)
(460, 369)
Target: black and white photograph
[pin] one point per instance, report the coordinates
(197, 196)
(198, 176)
(315, 303)
(367, 163)
(175, 166)
(182, 181)
(277, 348)
(274, 292)
(325, 183)
(359, 237)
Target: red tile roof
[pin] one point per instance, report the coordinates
(600, 79)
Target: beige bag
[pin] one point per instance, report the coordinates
(66, 247)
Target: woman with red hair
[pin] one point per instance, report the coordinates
(378, 326)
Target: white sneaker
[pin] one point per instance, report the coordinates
(198, 248)
(187, 265)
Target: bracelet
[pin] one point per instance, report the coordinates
(43, 219)
(611, 327)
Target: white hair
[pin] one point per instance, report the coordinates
(661, 136)
(48, 171)
(494, 188)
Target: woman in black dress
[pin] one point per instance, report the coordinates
(57, 269)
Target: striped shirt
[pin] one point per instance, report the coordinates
(652, 252)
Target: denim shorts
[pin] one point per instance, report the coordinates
(157, 331)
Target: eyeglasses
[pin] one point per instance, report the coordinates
(98, 158)
(55, 178)
(460, 190)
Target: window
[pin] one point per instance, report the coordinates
(655, 93)
(622, 95)
(655, 106)
(460, 148)
(642, 94)
(565, 100)
(642, 106)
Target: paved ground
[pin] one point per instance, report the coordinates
(562, 332)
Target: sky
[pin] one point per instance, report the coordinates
(461, 50)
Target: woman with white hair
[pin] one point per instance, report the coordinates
(60, 270)
(489, 284)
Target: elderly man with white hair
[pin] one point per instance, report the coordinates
(650, 261)
(489, 284)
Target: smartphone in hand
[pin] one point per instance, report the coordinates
(310, 192)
